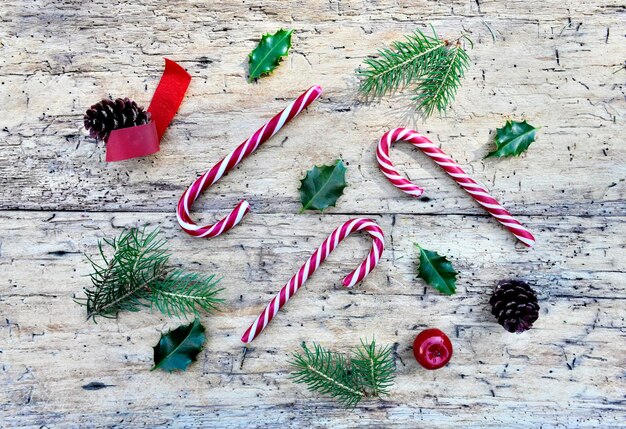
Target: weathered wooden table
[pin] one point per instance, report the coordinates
(560, 64)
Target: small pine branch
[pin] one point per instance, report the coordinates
(375, 367)
(137, 275)
(181, 293)
(439, 86)
(400, 66)
(370, 372)
(327, 372)
(434, 65)
(121, 282)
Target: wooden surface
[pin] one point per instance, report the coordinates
(560, 64)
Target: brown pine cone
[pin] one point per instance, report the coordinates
(109, 115)
(514, 304)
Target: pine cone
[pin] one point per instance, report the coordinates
(109, 115)
(515, 305)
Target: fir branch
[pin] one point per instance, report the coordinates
(327, 372)
(375, 367)
(439, 86)
(369, 373)
(400, 66)
(137, 275)
(138, 260)
(434, 65)
(180, 293)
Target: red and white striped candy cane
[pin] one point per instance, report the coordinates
(314, 262)
(452, 168)
(230, 161)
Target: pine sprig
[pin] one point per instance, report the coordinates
(401, 66)
(368, 373)
(434, 65)
(137, 275)
(439, 86)
(327, 372)
(180, 293)
(375, 367)
(120, 282)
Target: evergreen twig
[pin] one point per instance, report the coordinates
(327, 372)
(375, 367)
(434, 65)
(400, 66)
(369, 373)
(180, 293)
(439, 85)
(137, 275)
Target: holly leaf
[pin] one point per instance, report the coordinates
(513, 139)
(437, 271)
(178, 348)
(322, 186)
(268, 53)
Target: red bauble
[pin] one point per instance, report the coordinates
(432, 349)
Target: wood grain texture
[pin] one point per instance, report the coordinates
(559, 64)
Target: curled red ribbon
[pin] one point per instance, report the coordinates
(143, 140)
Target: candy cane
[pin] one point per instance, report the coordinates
(314, 262)
(452, 168)
(230, 161)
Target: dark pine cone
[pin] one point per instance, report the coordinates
(515, 305)
(109, 115)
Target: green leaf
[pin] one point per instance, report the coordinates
(513, 139)
(437, 271)
(178, 348)
(322, 186)
(268, 53)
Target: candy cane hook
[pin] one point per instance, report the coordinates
(452, 168)
(229, 162)
(314, 262)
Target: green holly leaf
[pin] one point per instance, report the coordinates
(513, 139)
(322, 186)
(268, 53)
(178, 348)
(437, 271)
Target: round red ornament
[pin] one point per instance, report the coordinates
(432, 349)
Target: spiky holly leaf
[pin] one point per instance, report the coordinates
(437, 271)
(513, 139)
(322, 186)
(178, 348)
(268, 53)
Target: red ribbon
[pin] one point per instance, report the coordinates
(143, 140)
